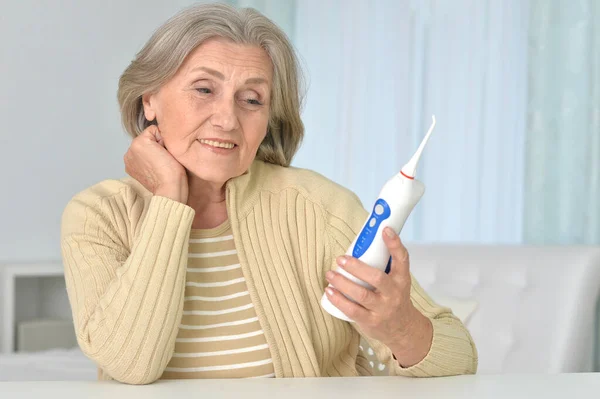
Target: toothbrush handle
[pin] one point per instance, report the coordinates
(393, 207)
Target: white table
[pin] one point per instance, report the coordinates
(481, 387)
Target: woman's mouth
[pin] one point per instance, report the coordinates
(217, 144)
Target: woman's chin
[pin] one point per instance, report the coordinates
(213, 174)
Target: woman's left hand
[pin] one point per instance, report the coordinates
(387, 313)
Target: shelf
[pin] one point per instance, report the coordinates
(29, 292)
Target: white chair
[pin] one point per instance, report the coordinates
(537, 307)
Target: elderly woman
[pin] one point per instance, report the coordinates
(210, 261)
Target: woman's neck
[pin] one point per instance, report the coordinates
(208, 200)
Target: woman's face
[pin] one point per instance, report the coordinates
(213, 113)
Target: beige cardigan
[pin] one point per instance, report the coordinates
(125, 254)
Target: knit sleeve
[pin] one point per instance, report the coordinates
(452, 352)
(126, 294)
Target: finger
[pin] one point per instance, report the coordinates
(399, 253)
(159, 137)
(353, 310)
(152, 133)
(363, 296)
(370, 275)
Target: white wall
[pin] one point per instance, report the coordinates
(59, 66)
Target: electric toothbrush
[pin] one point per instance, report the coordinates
(396, 201)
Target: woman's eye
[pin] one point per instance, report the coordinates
(253, 101)
(203, 90)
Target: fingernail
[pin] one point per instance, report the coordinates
(342, 260)
(390, 232)
(329, 291)
(329, 275)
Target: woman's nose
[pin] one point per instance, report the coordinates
(224, 116)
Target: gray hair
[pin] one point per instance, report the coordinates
(163, 54)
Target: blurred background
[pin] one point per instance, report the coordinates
(514, 85)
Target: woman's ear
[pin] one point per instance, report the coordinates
(148, 101)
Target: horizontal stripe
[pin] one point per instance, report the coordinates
(216, 284)
(221, 360)
(223, 318)
(239, 373)
(215, 298)
(212, 254)
(211, 262)
(193, 347)
(216, 277)
(221, 353)
(216, 312)
(211, 247)
(221, 338)
(209, 326)
(214, 239)
(218, 331)
(216, 305)
(213, 269)
(216, 291)
(216, 368)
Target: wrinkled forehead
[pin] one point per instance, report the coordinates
(229, 60)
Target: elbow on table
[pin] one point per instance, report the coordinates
(135, 372)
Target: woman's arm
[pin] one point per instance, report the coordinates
(126, 305)
(452, 350)
(442, 347)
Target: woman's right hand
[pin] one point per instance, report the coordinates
(148, 161)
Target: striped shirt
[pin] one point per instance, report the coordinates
(219, 335)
